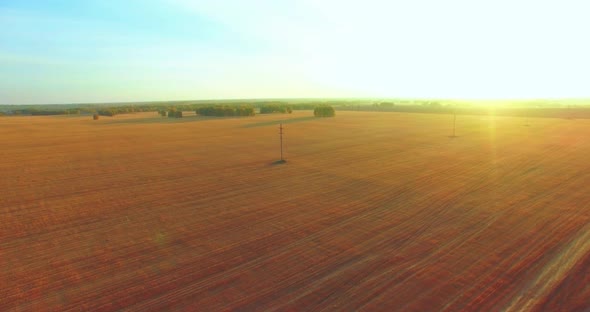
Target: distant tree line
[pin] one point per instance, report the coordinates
(422, 107)
(303, 106)
(106, 112)
(275, 108)
(225, 110)
(116, 110)
(285, 104)
(209, 108)
(39, 112)
(248, 107)
(44, 112)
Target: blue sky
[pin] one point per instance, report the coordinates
(58, 51)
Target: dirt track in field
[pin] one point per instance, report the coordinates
(373, 211)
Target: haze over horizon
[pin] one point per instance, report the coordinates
(60, 51)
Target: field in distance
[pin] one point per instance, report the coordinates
(372, 211)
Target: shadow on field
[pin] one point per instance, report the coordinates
(278, 162)
(276, 122)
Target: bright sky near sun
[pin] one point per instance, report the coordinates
(57, 51)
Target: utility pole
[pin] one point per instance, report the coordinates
(454, 121)
(281, 134)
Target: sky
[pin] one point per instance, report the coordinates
(57, 51)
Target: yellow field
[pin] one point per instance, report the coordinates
(372, 211)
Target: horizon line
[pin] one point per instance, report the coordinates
(319, 98)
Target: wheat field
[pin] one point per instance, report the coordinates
(372, 212)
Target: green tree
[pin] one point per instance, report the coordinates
(324, 111)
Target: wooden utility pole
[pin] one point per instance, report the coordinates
(281, 134)
(454, 121)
